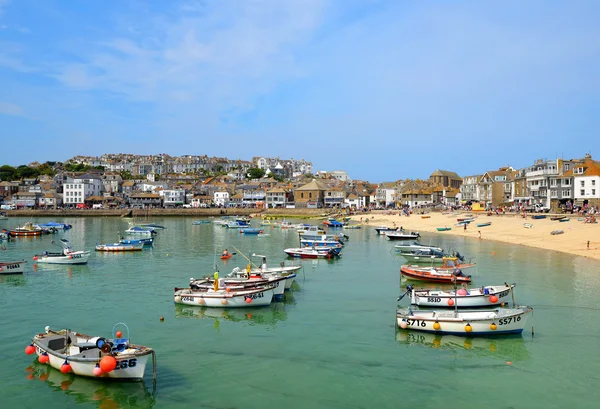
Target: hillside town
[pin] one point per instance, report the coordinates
(162, 181)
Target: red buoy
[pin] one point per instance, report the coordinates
(65, 367)
(44, 358)
(119, 334)
(493, 299)
(450, 302)
(29, 349)
(108, 363)
(248, 300)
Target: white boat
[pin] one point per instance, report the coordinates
(221, 298)
(289, 271)
(402, 235)
(145, 231)
(320, 244)
(12, 267)
(465, 322)
(414, 247)
(84, 355)
(311, 252)
(241, 283)
(66, 256)
(120, 247)
(310, 229)
(3, 216)
(473, 297)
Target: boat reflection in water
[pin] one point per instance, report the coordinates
(268, 315)
(510, 348)
(14, 280)
(111, 394)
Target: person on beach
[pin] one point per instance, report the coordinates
(479, 234)
(465, 224)
(588, 245)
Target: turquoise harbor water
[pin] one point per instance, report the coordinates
(330, 344)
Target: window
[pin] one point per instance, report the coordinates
(567, 166)
(302, 195)
(578, 171)
(566, 192)
(593, 192)
(553, 193)
(582, 192)
(583, 183)
(552, 182)
(593, 182)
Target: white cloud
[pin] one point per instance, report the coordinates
(6, 108)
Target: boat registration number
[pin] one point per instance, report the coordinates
(434, 299)
(506, 321)
(11, 266)
(187, 298)
(127, 363)
(75, 255)
(255, 296)
(416, 323)
(503, 294)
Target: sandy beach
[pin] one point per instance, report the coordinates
(506, 228)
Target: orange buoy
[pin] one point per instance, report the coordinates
(65, 367)
(450, 302)
(29, 349)
(493, 299)
(224, 302)
(248, 300)
(108, 363)
(493, 326)
(119, 334)
(44, 358)
(403, 324)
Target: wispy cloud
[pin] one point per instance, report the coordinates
(6, 108)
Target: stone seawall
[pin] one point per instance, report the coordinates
(214, 212)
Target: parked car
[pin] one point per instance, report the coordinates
(187, 206)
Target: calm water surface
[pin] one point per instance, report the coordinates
(330, 344)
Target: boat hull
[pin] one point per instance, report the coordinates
(12, 267)
(480, 323)
(224, 299)
(119, 247)
(75, 258)
(432, 276)
(474, 298)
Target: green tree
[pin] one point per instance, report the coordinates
(25, 171)
(7, 172)
(255, 173)
(126, 175)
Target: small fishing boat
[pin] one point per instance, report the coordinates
(443, 228)
(556, 232)
(425, 217)
(66, 256)
(28, 229)
(288, 271)
(473, 297)
(266, 223)
(484, 224)
(55, 225)
(554, 218)
(566, 219)
(383, 229)
(152, 226)
(310, 229)
(3, 216)
(120, 247)
(146, 241)
(465, 219)
(402, 235)
(221, 298)
(241, 282)
(333, 223)
(434, 275)
(197, 222)
(340, 237)
(252, 230)
(499, 321)
(12, 267)
(538, 216)
(527, 225)
(415, 246)
(138, 230)
(320, 244)
(85, 355)
(352, 226)
(310, 252)
(424, 257)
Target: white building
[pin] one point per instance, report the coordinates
(221, 197)
(586, 184)
(80, 188)
(173, 197)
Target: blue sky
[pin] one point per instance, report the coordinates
(381, 89)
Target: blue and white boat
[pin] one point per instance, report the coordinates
(55, 225)
(252, 230)
(140, 230)
(152, 226)
(196, 222)
(321, 244)
(146, 241)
